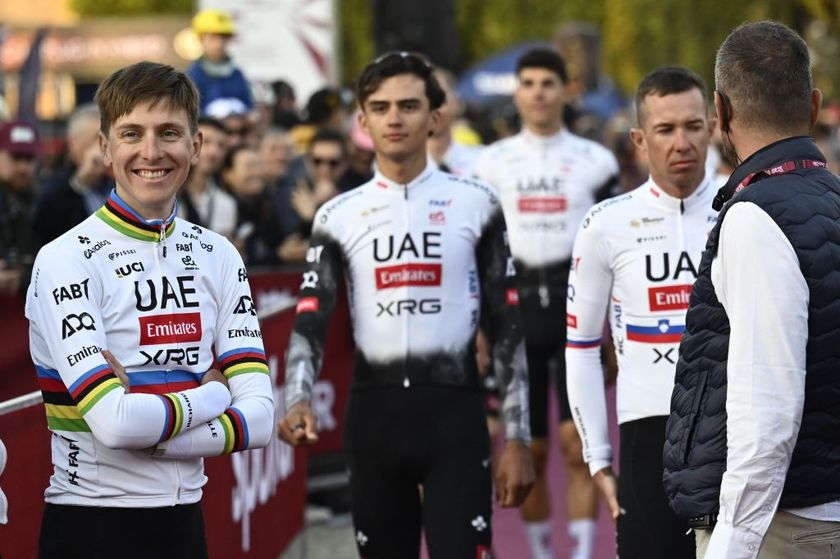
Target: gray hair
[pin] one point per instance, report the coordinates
(80, 115)
(764, 69)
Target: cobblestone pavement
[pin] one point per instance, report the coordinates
(324, 537)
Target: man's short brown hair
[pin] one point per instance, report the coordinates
(146, 82)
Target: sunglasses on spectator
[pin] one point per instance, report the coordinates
(333, 163)
(238, 131)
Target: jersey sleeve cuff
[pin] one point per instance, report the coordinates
(596, 466)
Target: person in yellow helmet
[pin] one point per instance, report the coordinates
(214, 73)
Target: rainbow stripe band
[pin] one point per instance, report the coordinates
(61, 410)
(583, 344)
(174, 416)
(120, 217)
(243, 360)
(236, 431)
(92, 386)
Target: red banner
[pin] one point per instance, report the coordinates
(333, 386)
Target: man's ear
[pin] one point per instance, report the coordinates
(434, 121)
(816, 104)
(105, 149)
(723, 109)
(637, 136)
(362, 116)
(197, 143)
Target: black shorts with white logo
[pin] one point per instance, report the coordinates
(399, 440)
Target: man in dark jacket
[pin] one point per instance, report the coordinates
(78, 189)
(18, 162)
(752, 455)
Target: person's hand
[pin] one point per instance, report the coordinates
(324, 190)
(304, 202)
(608, 486)
(91, 168)
(515, 474)
(293, 248)
(482, 353)
(118, 369)
(299, 426)
(214, 375)
(608, 361)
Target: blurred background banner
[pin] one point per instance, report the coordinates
(291, 40)
(493, 79)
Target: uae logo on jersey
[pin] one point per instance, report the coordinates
(401, 275)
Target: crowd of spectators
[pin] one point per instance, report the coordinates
(267, 162)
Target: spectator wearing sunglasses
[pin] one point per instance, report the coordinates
(325, 168)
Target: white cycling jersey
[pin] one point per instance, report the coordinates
(162, 296)
(635, 260)
(546, 184)
(417, 258)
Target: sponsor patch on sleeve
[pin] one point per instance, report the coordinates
(512, 296)
(308, 304)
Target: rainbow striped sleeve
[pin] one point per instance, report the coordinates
(243, 360)
(92, 386)
(62, 413)
(174, 416)
(236, 430)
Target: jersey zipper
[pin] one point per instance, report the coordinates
(542, 286)
(681, 228)
(407, 208)
(161, 249)
(162, 239)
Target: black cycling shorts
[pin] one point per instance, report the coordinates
(77, 532)
(545, 344)
(649, 529)
(399, 439)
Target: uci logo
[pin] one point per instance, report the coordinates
(126, 270)
(72, 323)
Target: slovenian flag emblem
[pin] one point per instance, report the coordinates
(663, 333)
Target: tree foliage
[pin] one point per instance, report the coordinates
(636, 35)
(355, 45)
(87, 8)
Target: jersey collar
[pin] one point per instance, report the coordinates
(382, 182)
(544, 141)
(661, 199)
(119, 215)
